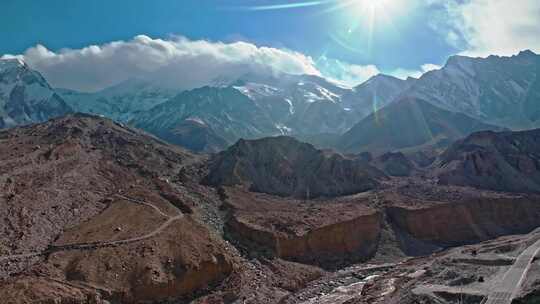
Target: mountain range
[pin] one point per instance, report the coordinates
(464, 96)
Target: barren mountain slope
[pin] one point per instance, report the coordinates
(87, 212)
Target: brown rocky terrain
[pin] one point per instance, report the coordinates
(87, 212)
(94, 212)
(321, 232)
(286, 167)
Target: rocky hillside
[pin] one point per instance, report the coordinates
(87, 205)
(506, 161)
(287, 167)
(407, 123)
(25, 96)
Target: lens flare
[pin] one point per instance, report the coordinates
(369, 16)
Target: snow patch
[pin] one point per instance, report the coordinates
(283, 129)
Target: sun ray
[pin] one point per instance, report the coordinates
(283, 6)
(371, 29)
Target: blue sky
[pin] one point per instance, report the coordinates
(404, 35)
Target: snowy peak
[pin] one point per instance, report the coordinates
(461, 65)
(122, 101)
(384, 81)
(379, 78)
(11, 63)
(527, 53)
(498, 90)
(25, 96)
(376, 93)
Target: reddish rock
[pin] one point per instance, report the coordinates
(316, 233)
(476, 220)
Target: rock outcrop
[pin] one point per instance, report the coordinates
(286, 167)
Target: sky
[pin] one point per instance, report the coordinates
(90, 45)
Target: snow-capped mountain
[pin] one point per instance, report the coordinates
(25, 96)
(254, 107)
(499, 90)
(120, 102)
(495, 91)
(376, 93)
(300, 104)
(221, 115)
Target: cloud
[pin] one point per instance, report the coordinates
(345, 73)
(179, 62)
(405, 73)
(430, 67)
(485, 27)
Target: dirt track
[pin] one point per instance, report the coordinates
(101, 244)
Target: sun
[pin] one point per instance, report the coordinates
(370, 5)
(375, 4)
(364, 19)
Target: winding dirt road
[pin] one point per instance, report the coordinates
(101, 244)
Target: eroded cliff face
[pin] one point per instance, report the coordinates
(342, 242)
(324, 232)
(338, 232)
(352, 240)
(453, 224)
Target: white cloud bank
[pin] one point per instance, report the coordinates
(345, 73)
(404, 73)
(179, 62)
(491, 27)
